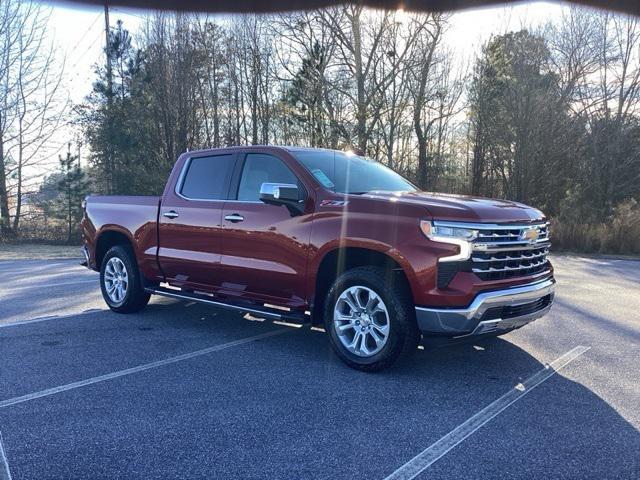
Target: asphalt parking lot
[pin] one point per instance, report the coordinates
(182, 390)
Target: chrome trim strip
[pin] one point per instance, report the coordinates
(514, 242)
(495, 235)
(180, 180)
(507, 268)
(490, 226)
(509, 296)
(460, 321)
(465, 248)
(511, 259)
(486, 247)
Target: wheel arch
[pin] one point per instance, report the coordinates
(109, 238)
(339, 259)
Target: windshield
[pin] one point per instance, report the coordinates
(343, 172)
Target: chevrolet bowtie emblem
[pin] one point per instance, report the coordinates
(529, 235)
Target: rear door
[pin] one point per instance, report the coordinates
(190, 221)
(264, 247)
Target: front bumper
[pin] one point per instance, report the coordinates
(490, 312)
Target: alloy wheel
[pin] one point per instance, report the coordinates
(116, 280)
(361, 321)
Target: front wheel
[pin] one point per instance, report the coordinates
(121, 282)
(370, 319)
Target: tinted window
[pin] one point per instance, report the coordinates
(347, 173)
(260, 168)
(207, 178)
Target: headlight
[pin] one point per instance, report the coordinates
(450, 233)
(449, 230)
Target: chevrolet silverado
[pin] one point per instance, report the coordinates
(329, 237)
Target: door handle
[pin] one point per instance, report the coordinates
(170, 214)
(235, 218)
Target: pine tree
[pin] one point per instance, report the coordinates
(115, 118)
(72, 188)
(304, 98)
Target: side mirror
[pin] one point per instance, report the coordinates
(282, 194)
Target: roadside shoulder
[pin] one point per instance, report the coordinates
(30, 251)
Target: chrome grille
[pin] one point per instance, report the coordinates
(507, 251)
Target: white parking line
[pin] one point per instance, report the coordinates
(48, 318)
(5, 473)
(139, 368)
(432, 454)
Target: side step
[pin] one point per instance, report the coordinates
(266, 312)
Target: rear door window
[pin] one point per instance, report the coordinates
(207, 178)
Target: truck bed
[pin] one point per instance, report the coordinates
(115, 208)
(133, 216)
(129, 211)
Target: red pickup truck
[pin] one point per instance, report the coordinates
(327, 237)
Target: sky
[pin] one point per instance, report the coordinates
(471, 28)
(78, 34)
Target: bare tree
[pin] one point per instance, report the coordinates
(394, 121)
(255, 66)
(32, 104)
(303, 56)
(210, 38)
(359, 35)
(597, 59)
(617, 172)
(429, 42)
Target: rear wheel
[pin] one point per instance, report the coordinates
(121, 282)
(370, 319)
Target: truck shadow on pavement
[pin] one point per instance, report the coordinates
(286, 407)
(562, 428)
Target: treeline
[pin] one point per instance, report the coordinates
(378, 82)
(548, 116)
(554, 122)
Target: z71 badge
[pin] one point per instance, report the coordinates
(333, 203)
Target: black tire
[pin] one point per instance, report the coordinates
(403, 336)
(135, 298)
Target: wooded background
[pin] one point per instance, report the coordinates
(548, 117)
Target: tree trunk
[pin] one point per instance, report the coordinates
(419, 104)
(423, 168)
(361, 108)
(5, 223)
(216, 119)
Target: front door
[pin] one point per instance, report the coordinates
(264, 247)
(190, 222)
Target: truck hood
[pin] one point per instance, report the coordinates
(464, 208)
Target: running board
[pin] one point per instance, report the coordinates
(266, 312)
